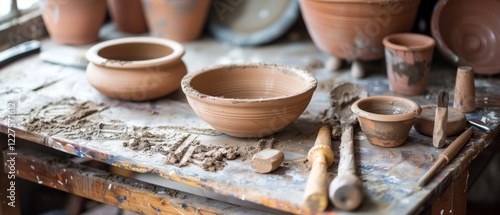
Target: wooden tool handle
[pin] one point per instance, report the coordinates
(347, 164)
(446, 156)
(457, 144)
(315, 195)
(321, 156)
(346, 190)
(440, 127)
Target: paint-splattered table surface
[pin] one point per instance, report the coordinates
(55, 106)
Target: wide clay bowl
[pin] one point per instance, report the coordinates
(467, 33)
(386, 120)
(136, 68)
(249, 100)
(354, 29)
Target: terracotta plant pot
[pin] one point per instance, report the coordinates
(73, 22)
(179, 20)
(128, 16)
(386, 120)
(249, 100)
(136, 68)
(354, 29)
(467, 33)
(409, 58)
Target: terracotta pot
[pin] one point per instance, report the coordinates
(455, 124)
(354, 29)
(408, 58)
(249, 100)
(73, 22)
(128, 16)
(179, 20)
(386, 120)
(467, 33)
(136, 68)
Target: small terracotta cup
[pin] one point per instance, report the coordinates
(409, 58)
(386, 120)
(136, 68)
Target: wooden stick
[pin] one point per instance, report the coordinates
(441, 120)
(346, 190)
(321, 156)
(446, 156)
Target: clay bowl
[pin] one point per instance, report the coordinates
(249, 100)
(386, 120)
(354, 29)
(467, 33)
(136, 68)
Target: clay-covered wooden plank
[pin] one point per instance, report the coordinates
(126, 193)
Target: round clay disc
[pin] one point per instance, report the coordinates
(424, 123)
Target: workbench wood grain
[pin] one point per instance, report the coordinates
(389, 175)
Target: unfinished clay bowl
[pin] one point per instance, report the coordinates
(249, 100)
(408, 58)
(386, 120)
(136, 68)
(353, 29)
(467, 33)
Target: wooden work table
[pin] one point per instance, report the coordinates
(54, 106)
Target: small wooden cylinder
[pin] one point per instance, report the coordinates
(465, 92)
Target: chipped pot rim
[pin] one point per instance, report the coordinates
(93, 56)
(309, 78)
(427, 41)
(412, 113)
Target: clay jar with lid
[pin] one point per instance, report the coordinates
(73, 22)
(179, 20)
(136, 68)
(251, 99)
(386, 120)
(408, 59)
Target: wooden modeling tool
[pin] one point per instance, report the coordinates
(321, 156)
(446, 156)
(440, 122)
(346, 190)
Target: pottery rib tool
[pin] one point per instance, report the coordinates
(321, 156)
(446, 156)
(346, 190)
(440, 122)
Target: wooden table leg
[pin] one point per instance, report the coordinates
(454, 199)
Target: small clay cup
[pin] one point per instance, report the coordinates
(136, 68)
(386, 120)
(251, 99)
(409, 58)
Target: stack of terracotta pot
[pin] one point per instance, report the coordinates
(77, 22)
